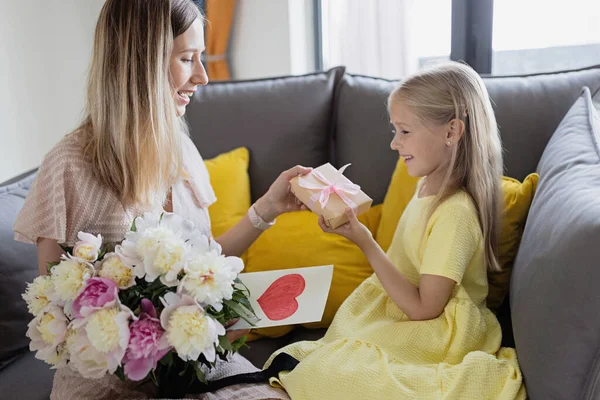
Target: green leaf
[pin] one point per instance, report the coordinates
(224, 343)
(241, 311)
(50, 266)
(199, 374)
(246, 303)
(238, 344)
(66, 249)
(155, 285)
(133, 227)
(167, 359)
(182, 372)
(222, 354)
(103, 252)
(243, 289)
(120, 373)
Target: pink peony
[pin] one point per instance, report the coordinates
(147, 344)
(98, 293)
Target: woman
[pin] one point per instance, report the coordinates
(132, 155)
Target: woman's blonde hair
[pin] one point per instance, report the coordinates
(452, 90)
(133, 133)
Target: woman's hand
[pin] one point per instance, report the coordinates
(279, 199)
(235, 334)
(352, 230)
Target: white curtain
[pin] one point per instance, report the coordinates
(384, 38)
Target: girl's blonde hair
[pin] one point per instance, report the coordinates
(133, 133)
(453, 90)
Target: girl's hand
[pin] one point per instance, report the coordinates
(279, 199)
(352, 230)
(235, 334)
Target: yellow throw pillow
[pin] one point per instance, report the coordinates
(231, 183)
(400, 191)
(517, 200)
(297, 241)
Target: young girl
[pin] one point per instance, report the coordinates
(131, 155)
(419, 327)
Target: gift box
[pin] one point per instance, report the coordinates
(327, 192)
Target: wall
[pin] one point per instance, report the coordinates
(45, 52)
(45, 48)
(272, 38)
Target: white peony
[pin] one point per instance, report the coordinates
(38, 294)
(189, 329)
(88, 247)
(159, 247)
(85, 358)
(47, 332)
(209, 276)
(101, 341)
(112, 267)
(68, 278)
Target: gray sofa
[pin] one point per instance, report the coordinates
(336, 117)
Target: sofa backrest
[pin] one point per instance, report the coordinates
(282, 121)
(528, 109)
(342, 118)
(18, 265)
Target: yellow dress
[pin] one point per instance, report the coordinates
(372, 350)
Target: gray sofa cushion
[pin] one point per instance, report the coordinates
(18, 265)
(528, 110)
(362, 133)
(26, 378)
(16, 179)
(554, 292)
(283, 121)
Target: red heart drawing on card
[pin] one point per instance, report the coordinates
(279, 300)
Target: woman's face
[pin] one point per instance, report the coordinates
(187, 71)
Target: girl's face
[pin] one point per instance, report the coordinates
(424, 146)
(186, 69)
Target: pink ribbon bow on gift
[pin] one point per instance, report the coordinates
(341, 187)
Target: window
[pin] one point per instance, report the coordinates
(393, 38)
(532, 36)
(385, 38)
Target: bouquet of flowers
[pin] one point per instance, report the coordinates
(150, 308)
